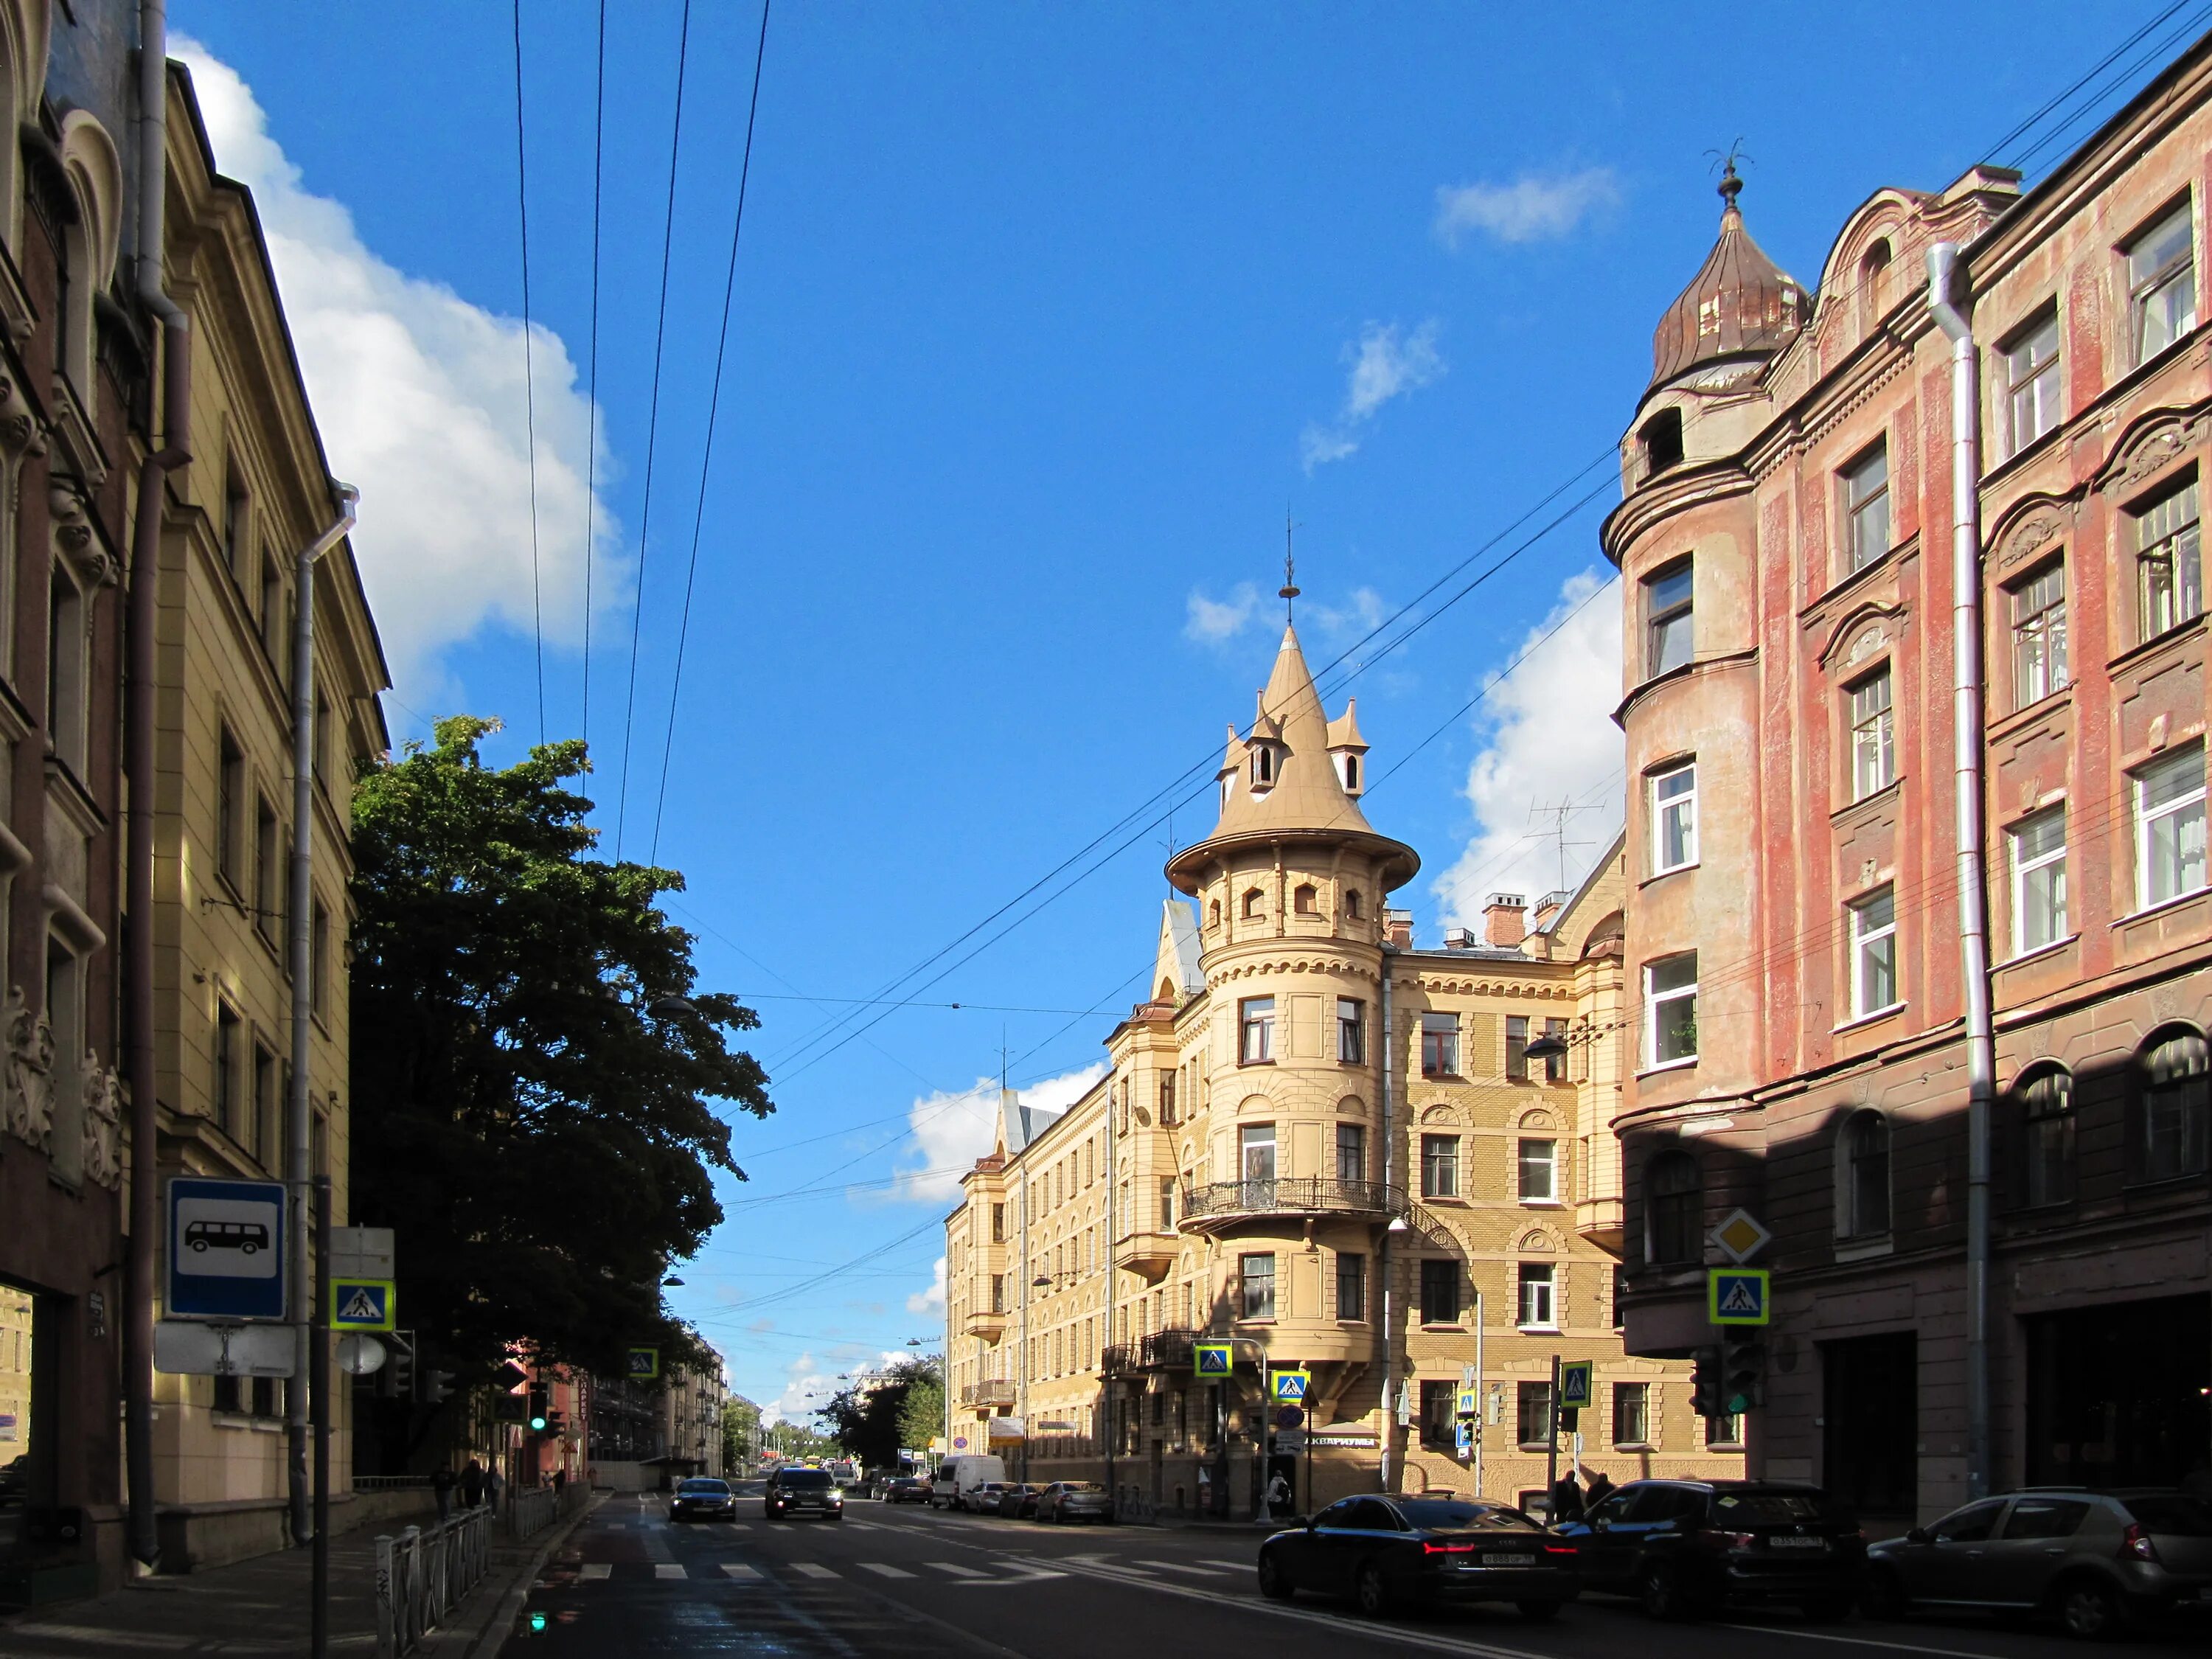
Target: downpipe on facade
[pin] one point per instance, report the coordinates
(139, 715)
(1383, 1061)
(1948, 296)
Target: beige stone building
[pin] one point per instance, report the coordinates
(1331, 1151)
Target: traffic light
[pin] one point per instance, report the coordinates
(395, 1380)
(555, 1421)
(1705, 1383)
(1743, 1376)
(539, 1398)
(433, 1388)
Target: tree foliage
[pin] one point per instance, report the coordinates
(921, 1418)
(868, 1417)
(540, 1137)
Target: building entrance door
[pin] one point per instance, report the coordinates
(1871, 1403)
(26, 1475)
(2116, 1394)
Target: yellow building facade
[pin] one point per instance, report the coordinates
(1332, 1152)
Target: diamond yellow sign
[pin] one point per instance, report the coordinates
(1739, 1236)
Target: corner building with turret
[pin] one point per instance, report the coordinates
(1332, 1152)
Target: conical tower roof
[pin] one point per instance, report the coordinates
(1740, 304)
(1306, 800)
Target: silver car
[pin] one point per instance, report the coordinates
(2097, 1560)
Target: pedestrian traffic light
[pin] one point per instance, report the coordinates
(1705, 1383)
(1743, 1377)
(433, 1388)
(396, 1379)
(555, 1421)
(537, 1407)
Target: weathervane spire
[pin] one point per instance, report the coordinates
(1289, 591)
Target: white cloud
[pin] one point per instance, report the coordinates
(420, 398)
(952, 1131)
(1210, 621)
(1537, 207)
(931, 1301)
(1385, 363)
(1548, 738)
(1361, 614)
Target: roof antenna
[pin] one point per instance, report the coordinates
(1289, 591)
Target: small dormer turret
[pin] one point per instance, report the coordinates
(1347, 749)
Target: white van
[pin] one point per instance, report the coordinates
(958, 1476)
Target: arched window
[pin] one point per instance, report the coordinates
(1351, 904)
(1874, 282)
(1306, 901)
(1673, 1210)
(2045, 1100)
(1254, 900)
(1263, 766)
(1214, 914)
(1862, 1168)
(2170, 1110)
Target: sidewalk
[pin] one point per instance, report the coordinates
(260, 1608)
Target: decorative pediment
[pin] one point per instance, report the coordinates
(1442, 1112)
(2028, 529)
(2150, 443)
(1540, 1240)
(1865, 630)
(1536, 1118)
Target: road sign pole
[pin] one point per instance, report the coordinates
(318, 1383)
(1551, 1452)
(1479, 1381)
(1267, 1440)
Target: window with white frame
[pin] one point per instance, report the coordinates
(1863, 1212)
(2039, 880)
(2038, 635)
(1539, 1305)
(1539, 1171)
(2170, 826)
(1258, 1276)
(2173, 1131)
(2046, 1137)
(1439, 1166)
(1866, 507)
(1670, 1009)
(1439, 1045)
(1874, 952)
(2162, 283)
(1255, 1019)
(2032, 384)
(2169, 563)
(1351, 1031)
(1257, 1146)
(1874, 735)
(1674, 818)
(1631, 1414)
(1669, 617)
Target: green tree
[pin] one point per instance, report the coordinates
(741, 1438)
(922, 1417)
(866, 1418)
(537, 1130)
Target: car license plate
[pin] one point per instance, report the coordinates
(1796, 1543)
(1508, 1560)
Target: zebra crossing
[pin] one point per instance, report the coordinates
(796, 1573)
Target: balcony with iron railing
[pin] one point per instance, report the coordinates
(1218, 1203)
(991, 1391)
(1162, 1350)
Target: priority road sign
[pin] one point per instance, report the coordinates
(1212, 1358)
(226, 1244)
(1291, 1386)
(363, 1304)
(644, 1364)
(1738, 1296)
(1739, 1236)
(1575, 1383)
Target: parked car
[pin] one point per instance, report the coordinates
(984, 1498)
(1074, 1500)
(2097, 1559)
(905, 1489)
(1019, 1500)
(958, 1477)
(703, 1500)
(1684, 1549)
(802, 1491)
(1387, 1553)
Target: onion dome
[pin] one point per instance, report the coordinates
(1740, 304)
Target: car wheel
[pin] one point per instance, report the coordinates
(1884, 1597)
(1371, 1591)
(1274, 1583)
(1537, 1612)
(1661, 1594)
(2090, 1609)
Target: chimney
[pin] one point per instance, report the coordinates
(1502, 920)
(1398, 929)
(1459, 938)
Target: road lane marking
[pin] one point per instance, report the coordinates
(885, 1570)
(669, 1570)
(954, 1569)
(1857, 1641)
(739, 1570)
(812, 1568)
(1181, 1566)
(596, 1569)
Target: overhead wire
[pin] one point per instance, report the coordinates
(2067, 123)
(2058, 98)
(529, 374)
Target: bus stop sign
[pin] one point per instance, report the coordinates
(226, 1244)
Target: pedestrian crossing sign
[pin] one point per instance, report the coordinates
(1738, 1296)
(644, 1364)
(363, 1304)
(1469, 1402)
(1212, 1358)
(1575, 1383)
(1291, 1386)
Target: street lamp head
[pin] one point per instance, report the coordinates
(672, 1280)
(1550, 1045)
(1041, 1283)
(669, 1007)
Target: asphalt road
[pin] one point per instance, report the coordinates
(909, 1580)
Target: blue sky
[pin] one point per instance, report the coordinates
(1044, 316)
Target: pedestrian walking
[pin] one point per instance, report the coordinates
(472, 1483)
(560, 1484)
(1601, 1488)
(1567, 1499)
(494, 1488)
(1279, 1494)
(441, 1488)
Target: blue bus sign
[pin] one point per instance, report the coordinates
(226, 1244)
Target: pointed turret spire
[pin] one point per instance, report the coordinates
(1740, 304)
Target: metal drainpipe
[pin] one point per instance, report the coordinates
(1382, 1058)
(1946, 293)
(1109, 1391)
(298, 1173)
(139, 715)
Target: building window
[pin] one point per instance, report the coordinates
(1619, 1295)
(265, 1104)
(2171, 1086)
(1674, 818)
(997, 1293)
(2038, 635)
(1539, 1311)
(1865, 1209)
(1555, 1066)
(1670, 1009)
(1439, 1290)
(998, 1224)
(1866, 507)
(1874, 736)
(1352, 906)
(318, 945)
(2032, 385)
(1661, 436)
(1669, 617)
(1631, 1414)
(2162, 284)
(1255, 1019)
(237, 520)
(1539, 1171)
(2039, 880)
(1725, 1429)
(1167, 1204)
(1674, 1210)
(1351, 1153)
(1263, 766)
(1167, 1112)
(1439, 1166)
(2170, 827)
(2169, 569)
(1351, 1285)
(1254, 903)
(1351, 1031)
(1439, 1045)
(1438, 1400)
(1305, 901)
(2046, 1137)
(230, 800)
(1257, 1143)
(1258, 1275)
(226, 1081)
(1873, 953)
(1517, 1047)
(268, 876)
(67, 642)
(1533, 1420)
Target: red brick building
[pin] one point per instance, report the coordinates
(1793, 921)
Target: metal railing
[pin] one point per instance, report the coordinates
(1169, 1348)
(992, 1391)
(1303, 1194)
(422, 1575)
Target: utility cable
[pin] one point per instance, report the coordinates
(529, 374)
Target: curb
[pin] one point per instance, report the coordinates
(491, 1636)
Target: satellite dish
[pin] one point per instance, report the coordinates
(359, 1355)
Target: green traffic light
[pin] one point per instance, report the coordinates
(537, 1621)
(538, 1422)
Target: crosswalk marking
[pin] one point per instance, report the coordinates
(669, 1570)
(812, 1568)
(952, 1569)
(739, 1570)
(597, 1569)
(1182, 1566)
(884, 1570)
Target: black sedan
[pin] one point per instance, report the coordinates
(1385, 1553)
(905, 1489)
(703, 1500)
(1018, 1500)
(1688, 1547)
